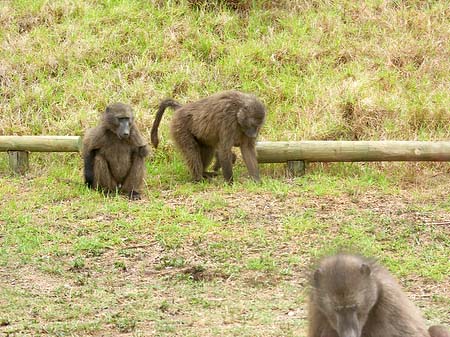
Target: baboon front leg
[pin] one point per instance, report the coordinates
(103, 178)
(190, 149)
(329, 332)
(248, 151)
(318, 325)
(132, 184)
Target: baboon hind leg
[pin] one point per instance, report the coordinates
(207, 153)
(132, 184)
(103, 179)
(226, 163)
(190, 149)
(216, 166)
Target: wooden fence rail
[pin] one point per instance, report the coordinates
(294, 153)
(345, 151)
(40, 143)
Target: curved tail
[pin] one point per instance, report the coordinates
(162, 107)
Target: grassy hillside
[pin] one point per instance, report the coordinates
(209, 259)
(378, 70)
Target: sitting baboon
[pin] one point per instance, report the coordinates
(114, 152)
(218, 122)
(352, 296)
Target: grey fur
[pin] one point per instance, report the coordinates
(353, 296)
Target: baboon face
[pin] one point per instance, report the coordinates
(119, 119)
(251, 118)
(346, 292)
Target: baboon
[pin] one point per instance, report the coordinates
(353, 296)
(218, 122)
(114, 153)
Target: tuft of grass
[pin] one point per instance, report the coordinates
(328, 71)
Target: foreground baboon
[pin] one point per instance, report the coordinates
(353, 296)
(218, 122)
(114, 152)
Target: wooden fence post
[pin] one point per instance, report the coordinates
(296, 168)
(18, 161)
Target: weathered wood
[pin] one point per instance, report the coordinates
(18, 161)
(40, 143)
(276, 152)
(296, 168)
(348, 151)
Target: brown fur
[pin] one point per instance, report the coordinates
(352, 296)
(218, 122)
(114, 158)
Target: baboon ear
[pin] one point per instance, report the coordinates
(365, 269)
(317, 276)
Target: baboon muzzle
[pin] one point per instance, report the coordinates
(348, 324)
(124, 129)
(251, 132)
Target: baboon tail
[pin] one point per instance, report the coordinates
(89, 159)
(162, 107)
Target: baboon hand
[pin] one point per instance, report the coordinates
(143, 151)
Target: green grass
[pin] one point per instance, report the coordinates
(207, 259)
(210, 259)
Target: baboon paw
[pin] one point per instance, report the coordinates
(229, 181)
(209, 175)
(143, 151)
(134, 195)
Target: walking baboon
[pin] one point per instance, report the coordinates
(218, 122)
(352, 296)
(114, 152)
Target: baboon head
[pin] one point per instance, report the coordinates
(118, 118)
(251, 117)
(345, 291)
